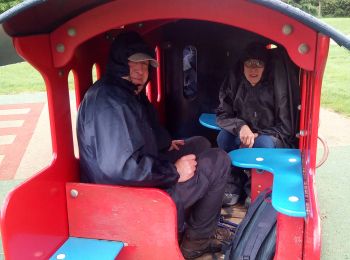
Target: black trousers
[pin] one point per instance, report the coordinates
(201, 196)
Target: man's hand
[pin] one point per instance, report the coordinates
(186, 167)
(175, 144)
(247, 137)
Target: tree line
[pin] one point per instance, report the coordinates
(7, 4)
(323, 8)
(320, 8)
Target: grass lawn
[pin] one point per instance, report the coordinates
(22, 77)
(342, 24)
(336, 82)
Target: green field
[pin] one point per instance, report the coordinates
(21, 77)
(341, 24)
(336, 83)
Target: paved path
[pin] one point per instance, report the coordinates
(17, 125)
(25, 135)
(24, 126)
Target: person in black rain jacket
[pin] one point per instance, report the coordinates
(121, 142)
(250, 113)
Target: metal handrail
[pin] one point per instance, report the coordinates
(325, 151)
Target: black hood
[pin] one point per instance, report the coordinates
(258, 51)
(125, 45)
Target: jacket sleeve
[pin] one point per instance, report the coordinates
(283, 126)
(226, 117)
(118, 145)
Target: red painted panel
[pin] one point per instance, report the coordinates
(237, 13)
(143, 218)
(290, 232)
(34, 215)
(260, 182)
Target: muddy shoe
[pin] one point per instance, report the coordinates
(223, 235)
(230, 199)
(195, 248)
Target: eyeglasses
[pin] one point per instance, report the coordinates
(254, 63)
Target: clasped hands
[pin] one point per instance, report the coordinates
(247, 137)
(186, 165)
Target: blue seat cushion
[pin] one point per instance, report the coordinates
(88, 249)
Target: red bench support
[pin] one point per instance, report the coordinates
(144, 219)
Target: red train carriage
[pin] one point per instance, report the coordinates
(60, 36)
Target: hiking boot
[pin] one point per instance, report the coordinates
(195, 248)
(224, 235)
(230, 199)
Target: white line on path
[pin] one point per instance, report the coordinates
(7, 139)
(11, 123)
(18, 111)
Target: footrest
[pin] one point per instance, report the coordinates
(285, 165)
(209, 120)
(88, 249)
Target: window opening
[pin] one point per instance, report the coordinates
(73, 109)
(189, 58)
(95, 74)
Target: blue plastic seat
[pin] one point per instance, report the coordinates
(209, 120)
(285, 165)
(88, 249)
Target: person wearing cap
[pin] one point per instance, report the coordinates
(250, 113)
(121, 142)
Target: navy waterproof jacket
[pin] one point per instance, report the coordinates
(118, 131)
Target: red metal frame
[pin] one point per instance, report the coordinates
(102, 19)
(34, 216)
(312, 238)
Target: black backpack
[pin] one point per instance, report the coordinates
(256, 234)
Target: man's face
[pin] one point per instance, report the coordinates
(138, 72)
(253, 70)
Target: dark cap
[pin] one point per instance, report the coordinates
(257, 51)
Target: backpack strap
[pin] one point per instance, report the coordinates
(266, 222)
(250, 213)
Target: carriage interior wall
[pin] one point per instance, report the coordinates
(217, 34)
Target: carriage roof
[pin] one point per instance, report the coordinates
(43, 16)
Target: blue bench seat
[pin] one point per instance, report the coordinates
(76, 248)
(285, 165)
(209, 120)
